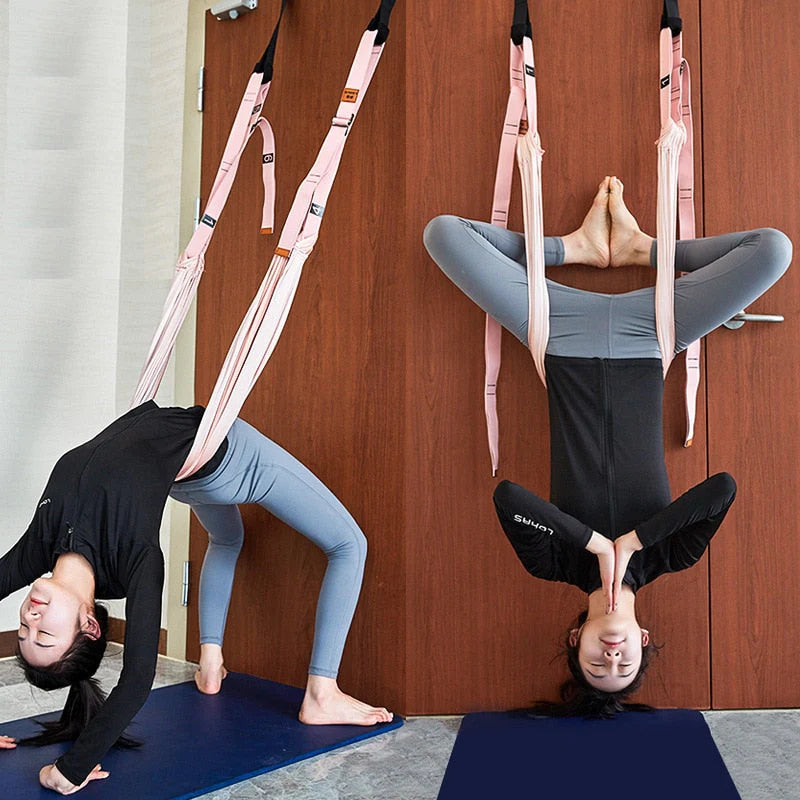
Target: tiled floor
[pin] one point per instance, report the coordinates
(761, 749)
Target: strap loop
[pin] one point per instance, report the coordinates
(265, 62)
(380, 22)
(521, 26)
(671, 17)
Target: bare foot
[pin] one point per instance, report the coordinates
(629, 245)
(212, 669)
(589, 244)
(326, 704)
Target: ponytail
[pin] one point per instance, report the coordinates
(76, 670)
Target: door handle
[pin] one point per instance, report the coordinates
(737, 320)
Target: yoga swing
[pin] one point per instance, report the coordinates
(675, 191)
(261, 327)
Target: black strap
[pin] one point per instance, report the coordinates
(521, 27)
(265, 64)
(671, 17)
(380, 22)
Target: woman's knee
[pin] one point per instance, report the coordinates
(231, 544)
(442, 237)
(350, 544)
(775, 249)
(225, 546)
(441, 229)
(223, 524)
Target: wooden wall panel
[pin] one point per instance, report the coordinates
(751, 105)
(377, 382)
(482, 633)
(332, 393)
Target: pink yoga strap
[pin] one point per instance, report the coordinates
(675, 170)
(676, 190)
(258, 334)
(520, 135)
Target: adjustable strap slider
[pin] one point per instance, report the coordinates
(343, 122)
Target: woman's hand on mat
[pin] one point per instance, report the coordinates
(625, 546)
(51, 778)
(7, 743)
(604, 550)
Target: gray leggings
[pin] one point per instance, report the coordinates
(728, 273)
(256, 470)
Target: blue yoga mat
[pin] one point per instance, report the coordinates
(193, 743)
(666, 754)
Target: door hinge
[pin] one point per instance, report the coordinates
(201, 88)
(185, 585)
(232, 9)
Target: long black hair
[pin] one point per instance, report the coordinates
(580, 699)
(75, 669)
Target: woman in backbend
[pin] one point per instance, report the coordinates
(96, 528)
(611, 526)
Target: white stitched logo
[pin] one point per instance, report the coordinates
(44, 502)
(533, 524)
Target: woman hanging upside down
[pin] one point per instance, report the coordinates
(611, 526)
(96, 527)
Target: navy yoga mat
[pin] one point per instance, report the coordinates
(666, 754)
(193, 743)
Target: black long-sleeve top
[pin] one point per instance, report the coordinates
(104, 500)
(551, 544)
(607, 474)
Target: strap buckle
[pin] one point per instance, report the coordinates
(343, 122)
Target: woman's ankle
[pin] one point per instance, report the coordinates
(211, 654)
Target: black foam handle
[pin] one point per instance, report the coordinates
(380, 22)
(671, 17)
(521, 26)
(265, 63)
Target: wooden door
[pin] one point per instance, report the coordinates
(751, 111)
(477, 621)
(377, 382)
(332, 393)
